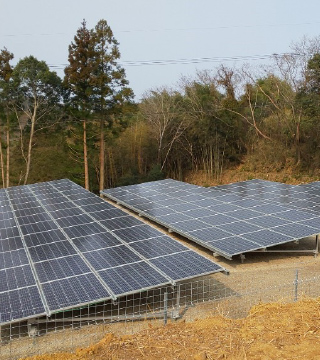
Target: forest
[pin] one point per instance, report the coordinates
(88, 127)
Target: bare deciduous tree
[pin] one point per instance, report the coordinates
(162, 110)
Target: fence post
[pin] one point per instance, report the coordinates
(296, 281)
(165, 308)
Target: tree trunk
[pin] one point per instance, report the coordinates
(8, 154)
(2, 164)
(101, 155)
(139, 154)
(297, 141)
(33, 122)
(85, 156)
(112, 170)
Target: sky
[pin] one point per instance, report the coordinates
(161, 41)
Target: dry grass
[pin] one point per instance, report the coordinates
(242, 174)
(270, 331)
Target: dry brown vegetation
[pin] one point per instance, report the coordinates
(270, 331)
(247, 171)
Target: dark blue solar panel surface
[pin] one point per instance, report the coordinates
(181, 265)
(75, 291)
(21, 303)
(15, 278)
(228, 219)
(111, 257)
(132, 277)
(159, 246)
(62, 246)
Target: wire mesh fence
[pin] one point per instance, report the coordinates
(231, 296)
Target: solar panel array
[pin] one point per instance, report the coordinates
(229, 219)
(303, 197)
(62, 247)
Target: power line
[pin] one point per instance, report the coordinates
(197, 60)
(166, 62)
(177, 29)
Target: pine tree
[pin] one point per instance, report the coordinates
(79, 81)
(111, 89)
(97, 82)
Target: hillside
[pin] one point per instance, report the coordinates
(270, 331)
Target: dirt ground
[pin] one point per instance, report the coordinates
(270, 331)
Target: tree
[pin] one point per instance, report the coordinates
(308, 99)
(162, 109)
(37, 92)
(5, 79)
(211, 131)
(109, 83)
(78, 79)
(97, 82)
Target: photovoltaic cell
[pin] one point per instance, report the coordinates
(39, 227)
(13, 258)
(10, 244)
(44, 238)
(210, 234)
(20, 304)
(74, 220)
(296, 231)
(61, 268)
(234, 244)
(121, 222)
(74, 291)
(76, 231)
(268, 221)
(111, 257)
(156, 247)
(7, 233)
(267, 237)
(239, 227)
(17, 277)
(314, 222)
(33, 218)
(184, 265)
(132, 277)
(218, 219)
(96, 242)
(136, 233)
(174, 218)
(190, 225)
(51, 251)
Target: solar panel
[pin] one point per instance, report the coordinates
(13, 258)
(96, 241)
(15, 278)
(133, 277)
(137, 233)
(51, 251)
(21, 303)
(62, 247)
(182, 265)
(75, 290)
(160, 246)
(235, 244)
(120, 222)
(228, 219)
(110, 257)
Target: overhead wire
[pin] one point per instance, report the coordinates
(178, 29)
(189, 61)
